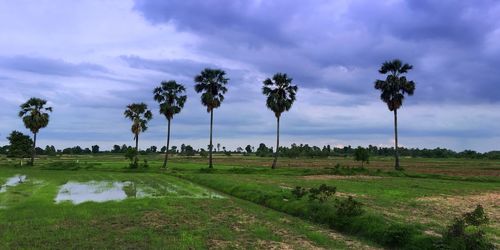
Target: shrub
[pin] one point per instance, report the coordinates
(476, 217)
(397, 235)
(466, 232)
(348, 208)
(299, 192)
(322, 193)
(131, 155)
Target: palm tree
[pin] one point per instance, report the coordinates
(212, 83)
(170, 96)
(393, 91)
(35, 117)
(139, 114)
(280, 97)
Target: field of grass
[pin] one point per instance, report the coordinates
(241, 204)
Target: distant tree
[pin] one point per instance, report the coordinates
(116, 149)
(50, 150)
(20, 145)
(239, 150)
(263, 150)
(87, 151)
(203, 153)
(218, 147)
(212, 84)
(171, 97)
(124, 148)
(174, 150)
(140, 115)
(280, 95)
(163, 149)
(393, 90)
(153, 149)
(95, 149)
(361, 154)
(189, 151)
(248, 148)
(35, 116)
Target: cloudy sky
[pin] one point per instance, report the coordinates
(90, 59)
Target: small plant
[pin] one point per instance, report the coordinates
(145, 165)
(322, 193)
(131, 155)
(476, 217)
(348, 207)
(467, 232)
(299, 192)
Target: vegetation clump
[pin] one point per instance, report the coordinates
(322, 193)
(362, 155)
(467, 232)
(348, 207)
(299, 192)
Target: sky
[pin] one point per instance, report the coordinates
(91, 58)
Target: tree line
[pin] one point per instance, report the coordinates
(21, 147)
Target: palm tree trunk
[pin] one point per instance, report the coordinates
(396, 154)
(168, 144)
(33, 150)
(137, 143)
(277, 142)
(211, 146)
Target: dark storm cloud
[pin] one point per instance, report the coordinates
(49, 66)
(324, 44)
(242, 20)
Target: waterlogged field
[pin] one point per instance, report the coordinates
(95, 202)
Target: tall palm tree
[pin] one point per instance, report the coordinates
(212, 82)
(139, 114)
(393, 90)
(170, 96)
(280, 97)
(35, 116)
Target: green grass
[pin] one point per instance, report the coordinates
(417, 202)
(31, 219)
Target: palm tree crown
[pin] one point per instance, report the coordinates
(280, 93)
(170, 97)
(395, 86)
(34, 114)
(139, 114)
(212, 83)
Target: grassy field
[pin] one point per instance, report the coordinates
(241, 204)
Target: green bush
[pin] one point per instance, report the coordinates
(348, 208)
(322, 193)
(467, 233)
(299, 192)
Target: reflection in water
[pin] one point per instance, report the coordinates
(101, 191)
(13, 181)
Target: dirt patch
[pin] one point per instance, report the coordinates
(156, 220)
(460, 204)
(340, 177)
(267, 244)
